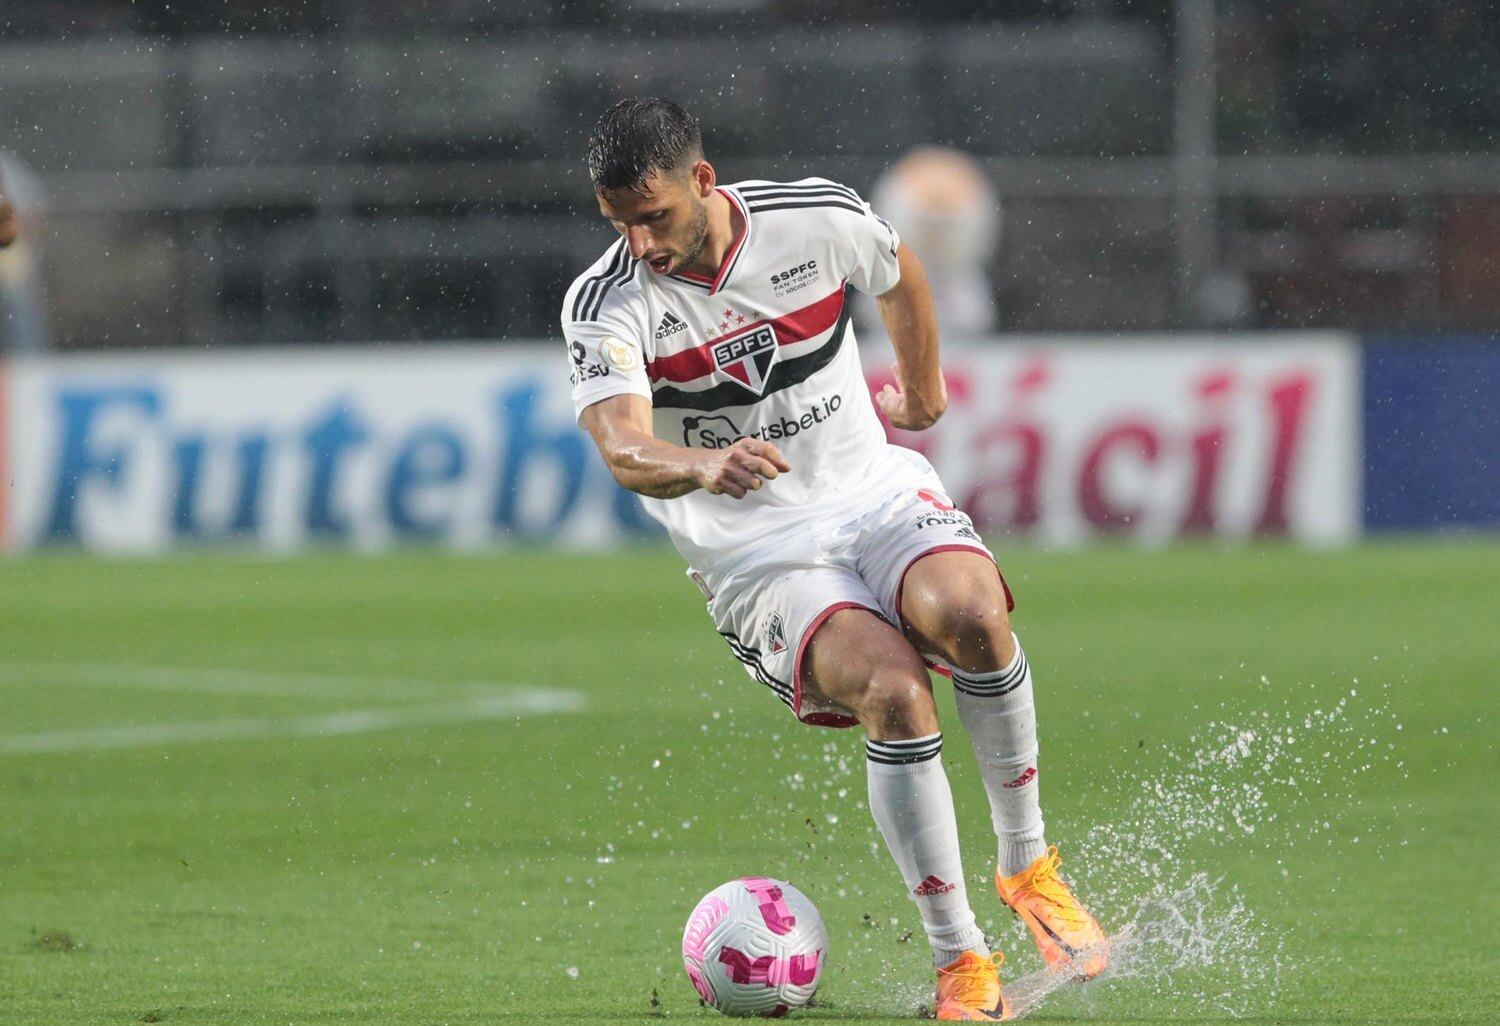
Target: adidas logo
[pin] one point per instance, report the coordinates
(932, 885)
(671, 324)
(1024, 778)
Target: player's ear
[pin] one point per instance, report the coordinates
(704, 178)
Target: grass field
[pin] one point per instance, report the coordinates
(431, 789)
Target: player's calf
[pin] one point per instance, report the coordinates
(860, 662)
(955, 603)
(999, 714)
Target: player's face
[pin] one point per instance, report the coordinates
(666, 221)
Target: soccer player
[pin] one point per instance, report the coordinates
(23, 322)
(714, 365)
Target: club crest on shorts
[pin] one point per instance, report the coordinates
(776, 634)
(747, 357)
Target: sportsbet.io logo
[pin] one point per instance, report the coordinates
(710, 432)
(719, 432)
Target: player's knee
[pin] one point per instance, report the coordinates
(975, 632)
(897, 703)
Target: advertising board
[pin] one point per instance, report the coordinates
(1057, 440)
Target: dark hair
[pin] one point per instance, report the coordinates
(635, 137)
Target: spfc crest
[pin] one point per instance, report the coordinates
(776, 634)
(747, 357)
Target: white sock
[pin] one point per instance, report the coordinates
(913, 806)
(997, 711)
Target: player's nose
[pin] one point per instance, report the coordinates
(638, 238)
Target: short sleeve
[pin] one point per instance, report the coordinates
(603, 361)
(874, 267)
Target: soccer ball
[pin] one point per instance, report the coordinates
(755, 946)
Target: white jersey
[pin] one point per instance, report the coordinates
(764, 350)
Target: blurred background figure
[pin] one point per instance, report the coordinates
(1163, 166)
(943, 206)
(10, 220)
(23, 325)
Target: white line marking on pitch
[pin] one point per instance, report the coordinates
(513, 702)
(230, 682)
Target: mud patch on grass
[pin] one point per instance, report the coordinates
(59, 941)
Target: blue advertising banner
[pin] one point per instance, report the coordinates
(1432, 431)
(1059, 440)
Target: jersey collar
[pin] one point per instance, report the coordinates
(731, 255)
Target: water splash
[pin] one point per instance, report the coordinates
(1176, 941)
(1233, 778)
(1257, 779)
(1240, 785)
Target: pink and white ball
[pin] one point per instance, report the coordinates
(755, 946)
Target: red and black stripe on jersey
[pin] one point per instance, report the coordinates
(692, 365)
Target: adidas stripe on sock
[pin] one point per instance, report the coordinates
(898, 753)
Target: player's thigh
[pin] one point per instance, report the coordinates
(769, 615)
(953, 603)
(857, 661)
(937, 579)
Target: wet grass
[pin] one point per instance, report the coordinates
(455, 873)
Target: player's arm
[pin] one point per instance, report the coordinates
(919, 397)
(621, 427)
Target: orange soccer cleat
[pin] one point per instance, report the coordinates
(969, 990)
(1069, 938)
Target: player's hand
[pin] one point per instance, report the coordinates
(907, 410)
(741, 467)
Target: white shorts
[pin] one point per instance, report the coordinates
(767, 608)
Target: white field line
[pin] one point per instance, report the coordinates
(233, 682)
(514, 702)
(480, 701)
